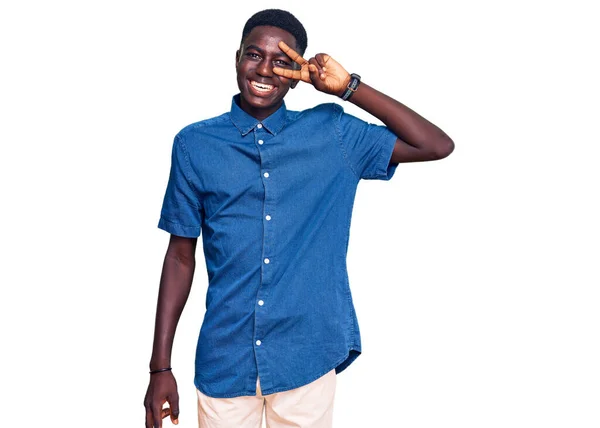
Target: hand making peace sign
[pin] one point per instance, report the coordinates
(322, 71)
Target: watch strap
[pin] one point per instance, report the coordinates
(352, 85)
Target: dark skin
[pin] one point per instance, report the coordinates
(418, 139)
(258, 55)
(175, 285)
(267, 67)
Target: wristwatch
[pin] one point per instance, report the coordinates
(351, 88)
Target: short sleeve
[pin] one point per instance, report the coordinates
(181, 213)
(367, 147)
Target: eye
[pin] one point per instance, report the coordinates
(252, 55)
(282, 63)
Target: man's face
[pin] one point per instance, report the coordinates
(262, 91)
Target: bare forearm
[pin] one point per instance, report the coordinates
(408, 125)
(418, 139)
(175, 286)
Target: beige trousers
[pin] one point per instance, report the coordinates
(309, 406)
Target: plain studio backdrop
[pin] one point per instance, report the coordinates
(475, 278)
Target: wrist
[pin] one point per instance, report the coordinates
(351, 86)
(162, 370)
(345, 84)
(159, 364)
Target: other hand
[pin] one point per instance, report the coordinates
(162, 389)
(322, 71)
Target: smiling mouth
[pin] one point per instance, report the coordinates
(261, 88)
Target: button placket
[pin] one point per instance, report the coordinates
(262, 140)
(263, 150)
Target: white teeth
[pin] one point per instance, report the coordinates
(261, 87)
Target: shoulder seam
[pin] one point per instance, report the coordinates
(337, 108)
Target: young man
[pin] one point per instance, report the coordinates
(272, 190)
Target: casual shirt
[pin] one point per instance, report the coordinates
(273, 200)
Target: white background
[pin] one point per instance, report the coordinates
(475, 278)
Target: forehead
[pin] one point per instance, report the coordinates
(268, 37)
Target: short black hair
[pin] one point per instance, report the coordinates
(281, 19)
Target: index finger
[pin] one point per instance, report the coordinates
(295, 56)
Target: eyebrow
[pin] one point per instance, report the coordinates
(256, 48)
(261, 51)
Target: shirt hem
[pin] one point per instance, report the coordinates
(276, 390)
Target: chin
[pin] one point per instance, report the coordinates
(259, 102)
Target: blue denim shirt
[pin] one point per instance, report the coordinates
(273, 200)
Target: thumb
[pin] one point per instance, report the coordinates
(314, 71)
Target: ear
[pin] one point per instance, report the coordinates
(237, 58)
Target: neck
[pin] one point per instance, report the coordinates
(257, 113)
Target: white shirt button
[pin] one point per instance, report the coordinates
(259, 125)
(260, 303)
(258, 342)
(260, 141)
(268, 217)
(266, 174)
(267, 261)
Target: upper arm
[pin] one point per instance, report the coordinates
(181, 212)
(404, 152)
(367, 147)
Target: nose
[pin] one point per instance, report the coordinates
(264, 68)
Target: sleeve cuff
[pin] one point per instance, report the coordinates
(178, 229)
(383, 169)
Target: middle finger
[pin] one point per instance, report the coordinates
(295, 56)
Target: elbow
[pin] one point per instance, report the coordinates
(180, 259)
(442, 148)
(182, 252)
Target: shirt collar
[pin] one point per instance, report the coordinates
(246, 123)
